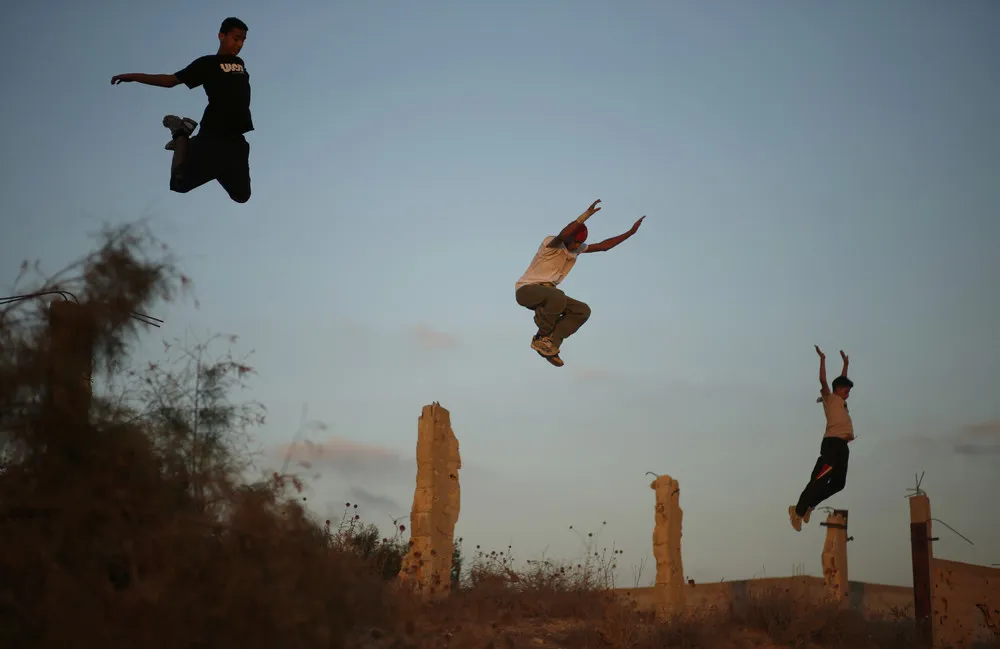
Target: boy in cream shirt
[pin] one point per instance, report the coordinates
(830, 473)
(557, 315)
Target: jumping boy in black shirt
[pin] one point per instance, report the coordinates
(219, 151)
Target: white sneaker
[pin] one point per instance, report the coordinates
(179, 126)
(795, 519)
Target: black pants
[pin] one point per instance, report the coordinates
(828, 476)
(211, 156)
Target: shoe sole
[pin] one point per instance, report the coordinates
(554, 359)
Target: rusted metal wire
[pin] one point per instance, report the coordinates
(28, 296)
(916, 490)
(938, 520)
(69, 297)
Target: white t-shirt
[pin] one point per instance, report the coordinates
(550, 264)
(838, 418)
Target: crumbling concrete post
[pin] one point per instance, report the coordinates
(436, 503)
(923, 554)
(834, 557)
(70, 360)
(667, 548)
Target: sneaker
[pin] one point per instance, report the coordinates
(179, 127)
(554, 359)
(544, 346)
(805, 517)
(795, 519)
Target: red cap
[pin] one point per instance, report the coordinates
(581, 234)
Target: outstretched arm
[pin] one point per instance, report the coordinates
(824, 389)
(608, 244)
(569, 232)
(159, 80)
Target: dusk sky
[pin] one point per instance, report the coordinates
(812, 173)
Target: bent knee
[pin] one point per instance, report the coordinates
(553, 305)
(240, 197)
(176, 185)
(584, 310)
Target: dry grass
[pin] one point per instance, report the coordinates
(527, 611)
(137, 527)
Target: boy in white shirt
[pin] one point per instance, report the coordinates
(557, 315)
(830, 473)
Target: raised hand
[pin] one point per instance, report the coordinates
(121, 78)
(821, 354)
(843, 355)
(593, 209)
(635, 226)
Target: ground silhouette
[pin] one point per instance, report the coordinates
(140, 520)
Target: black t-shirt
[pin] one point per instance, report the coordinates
(227, 84)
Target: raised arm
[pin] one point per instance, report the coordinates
(843, 372)
(608, 244)
(568, 233)
(159, 80)
(824, 389)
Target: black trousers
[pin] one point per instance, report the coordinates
(212, 156)
(828, 476)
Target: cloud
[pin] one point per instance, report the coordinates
(919, 442)
(367, 499)
(428, 338)
(590, 374)
(971, 439)
(346, 457)
(978, 439)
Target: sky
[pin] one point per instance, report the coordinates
(811, 173)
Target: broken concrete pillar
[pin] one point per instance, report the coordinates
(71, 352)
(436, 503)
(667, 548)
(834, 557)
(72, 332)
(923, 555)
